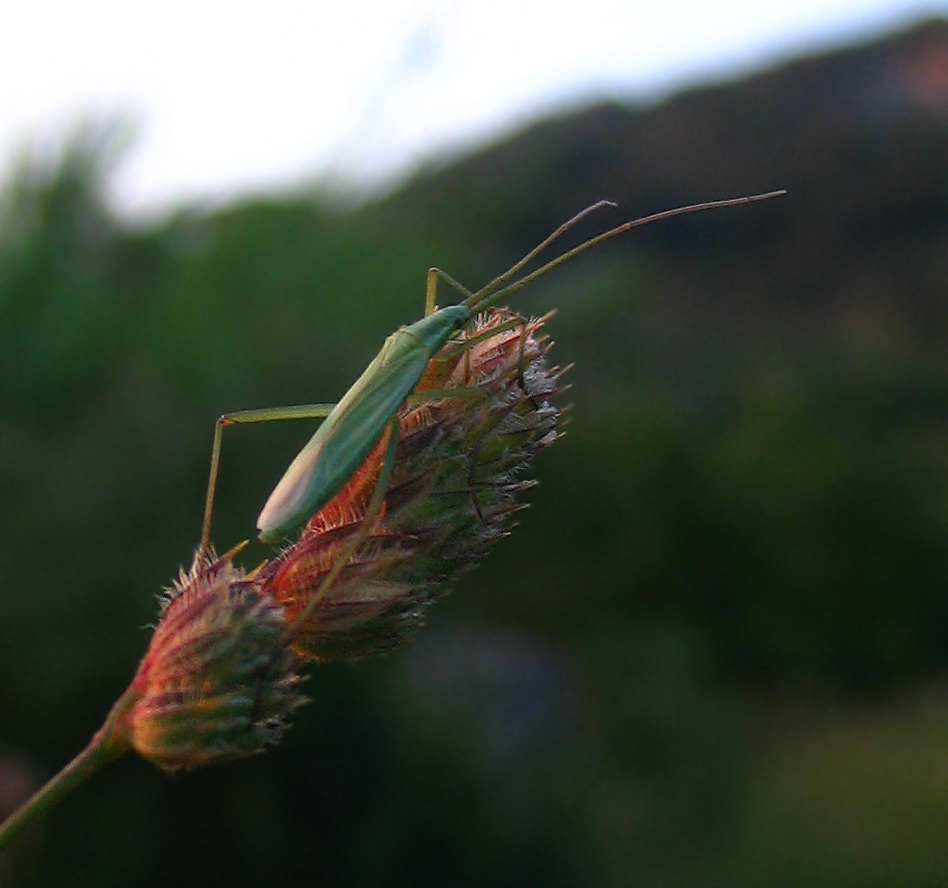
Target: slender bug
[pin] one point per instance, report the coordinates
(355, 425)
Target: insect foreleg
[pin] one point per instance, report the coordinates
(241, 417)
(482, 296)
(431, 289)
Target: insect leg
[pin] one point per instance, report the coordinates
(431, 289)
(239, 417)
(483, 296)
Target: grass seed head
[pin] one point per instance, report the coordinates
(217, 681)
(461, 465)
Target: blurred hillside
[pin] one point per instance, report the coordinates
(858, 139)
(715, 651)
(801, 342)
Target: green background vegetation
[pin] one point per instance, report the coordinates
(714, 653)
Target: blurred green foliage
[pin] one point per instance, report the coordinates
(708, 657)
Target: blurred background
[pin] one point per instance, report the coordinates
(715, 652)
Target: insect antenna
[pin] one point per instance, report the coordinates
(477, 300)
(499, 288)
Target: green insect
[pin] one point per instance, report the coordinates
(353, 427)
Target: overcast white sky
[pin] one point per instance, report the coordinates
(229, 97)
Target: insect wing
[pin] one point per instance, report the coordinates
(347, 436)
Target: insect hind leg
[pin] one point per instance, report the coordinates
(246, 417)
